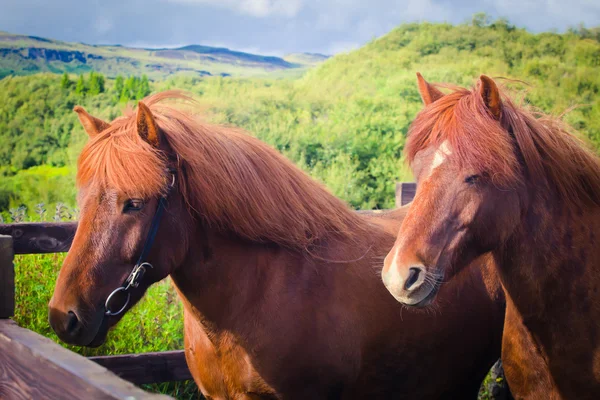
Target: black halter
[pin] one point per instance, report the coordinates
(139, 270)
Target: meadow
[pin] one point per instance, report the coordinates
(344, 122)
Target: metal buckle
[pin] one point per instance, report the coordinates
(107, 303)
(137, 274)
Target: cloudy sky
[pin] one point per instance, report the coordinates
(268, 26)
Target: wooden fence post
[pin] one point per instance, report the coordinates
(7, 278)
(405, 192)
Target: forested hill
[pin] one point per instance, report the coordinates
(559, 70)
(344, 121)
(25, 55)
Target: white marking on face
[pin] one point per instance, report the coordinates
(394, 278)
(440, 155)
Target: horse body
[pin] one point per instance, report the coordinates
(526, 191)
(250, 309)
(279, 279)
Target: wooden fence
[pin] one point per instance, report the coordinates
(32, 366)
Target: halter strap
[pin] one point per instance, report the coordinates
(139, 270)
(153, 230)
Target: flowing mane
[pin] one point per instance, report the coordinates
(231, 180)
(522, 144)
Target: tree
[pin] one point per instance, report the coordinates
(80, 88)
(65, 82)
(96, 84)
(481, 19)
(143, 88)
(119, 83)
(504, 24)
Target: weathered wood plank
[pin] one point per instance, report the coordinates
(141, 368)
(40, 237)
(405, 193)
(7, 277)
(34, 367)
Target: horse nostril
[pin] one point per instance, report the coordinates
(413, 277)
(72, 323)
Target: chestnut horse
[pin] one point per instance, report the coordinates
(279, 279)
(523, 188)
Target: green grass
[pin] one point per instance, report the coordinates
(42, 184)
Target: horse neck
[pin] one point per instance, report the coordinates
(225, 279)
(549, 271)
(550, 264)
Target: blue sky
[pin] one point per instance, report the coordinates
(275, 27)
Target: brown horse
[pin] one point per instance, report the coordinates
(279, 279)
(522, 187)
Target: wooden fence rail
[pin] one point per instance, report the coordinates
(163, 366)
(40, 237)
(32, 366)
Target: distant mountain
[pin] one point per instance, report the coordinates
(24, 55)
(306, 58)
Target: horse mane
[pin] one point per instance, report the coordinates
(524, 144)
(231, 180)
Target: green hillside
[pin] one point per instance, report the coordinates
(344, 121)
(26, 55)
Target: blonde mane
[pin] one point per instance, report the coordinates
(230, 180)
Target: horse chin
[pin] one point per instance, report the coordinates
(428, 299)
(100, 337)
(424, 301)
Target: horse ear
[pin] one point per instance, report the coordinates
(429, 93)
(91, 125)
(146, 125)
(491, 95)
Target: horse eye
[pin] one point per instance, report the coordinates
(472, 179)
(133, 205)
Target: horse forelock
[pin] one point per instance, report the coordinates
(522, 145)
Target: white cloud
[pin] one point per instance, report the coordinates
(255, 8)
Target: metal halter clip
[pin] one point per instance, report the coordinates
(132, 281)
(137, 274)
(114, 292)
